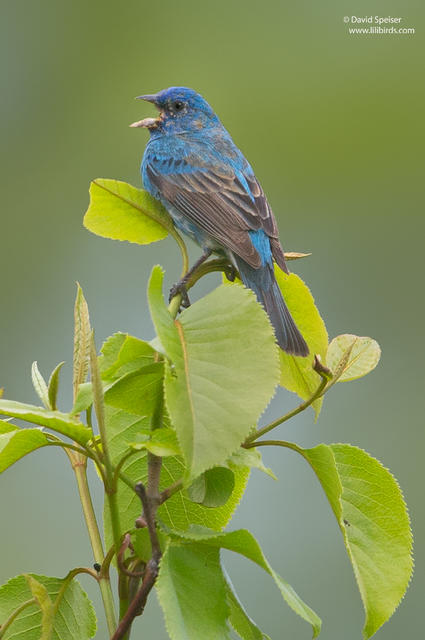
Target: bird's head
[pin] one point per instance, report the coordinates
(181, 109)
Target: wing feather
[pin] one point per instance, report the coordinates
(214, 198)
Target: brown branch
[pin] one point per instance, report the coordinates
(150, 499)
(120, 559)
(138, 603)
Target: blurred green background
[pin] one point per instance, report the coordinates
(333, 125)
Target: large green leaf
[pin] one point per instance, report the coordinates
(75, 618)
(373, 518)
(178, 512)
(297, 373)
(350, 357)
(192, 592)
(244, 543)
(121, 212)
(16, 443)
(222, 373)
(55, 420)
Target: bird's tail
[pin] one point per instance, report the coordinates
(263, 282)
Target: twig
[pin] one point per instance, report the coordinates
(138, 603)
(150, 505)
(325, 374)
(120, 559)
(171, 490)
(150, 502)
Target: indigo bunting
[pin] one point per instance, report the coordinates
(193, 167)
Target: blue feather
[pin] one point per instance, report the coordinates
(193, 167)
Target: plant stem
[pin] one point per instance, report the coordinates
(325, 375)
(71, 575)
(171, 490)
(110, 489)
(208, 267)
(182, 246)
(110, 479)
(117, 468)
(278, 443)
(72, 447)
(79, 464)
(6, 624)
(287, 445)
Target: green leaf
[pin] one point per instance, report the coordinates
(74, 620)
(122, 353)
(161, 442)
(16, 443)
(250, 458)
(6, 426)
(373, 518)
(351, 357)
(84, 398)
(178, 512)
(238, 618)
(297, 373)
(138, 392)
(121, 212)
(192, 593)
(82, 340)
(53, 385)
(43, 600)
(142, 544)
(40, 385)
(244, 543)
(55, 420)
(223, 370)
(212, 488)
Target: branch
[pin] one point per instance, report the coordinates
(120, 559)
(171, 490)
(150, 498)
(138, 603)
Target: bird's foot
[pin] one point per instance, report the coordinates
(180, 288)
(230, 273)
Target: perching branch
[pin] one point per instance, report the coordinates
(216, 265)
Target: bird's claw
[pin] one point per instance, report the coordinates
(230, 273)
(180, 289)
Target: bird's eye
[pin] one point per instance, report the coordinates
(178, 105)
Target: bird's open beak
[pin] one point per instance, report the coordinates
(149, 97)
(149, 123)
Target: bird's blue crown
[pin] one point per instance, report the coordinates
(182, 109)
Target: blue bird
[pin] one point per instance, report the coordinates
(193, 167)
